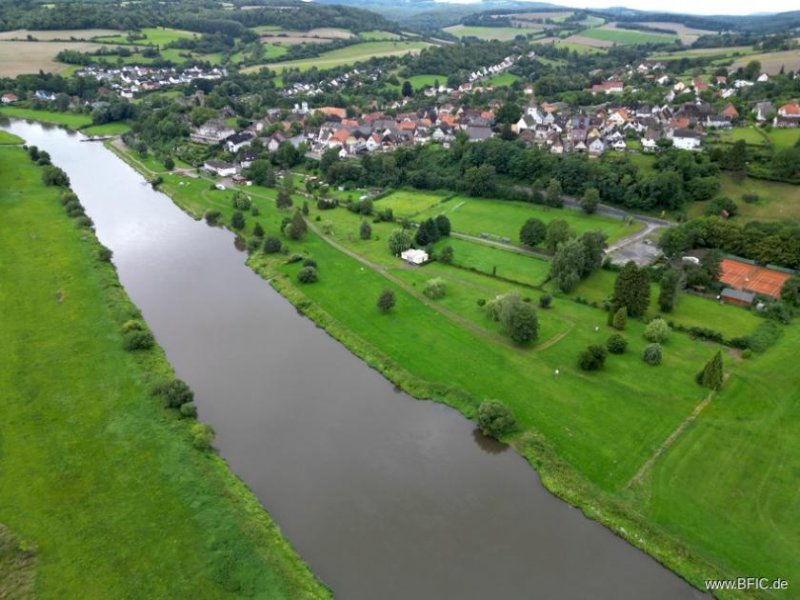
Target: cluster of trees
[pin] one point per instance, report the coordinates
(776, 243)
(431, 231)
(517, 317)
(631, 291)
(576, 259)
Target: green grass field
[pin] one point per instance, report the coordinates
(116, 128)
(729, 51)
(750, 135)
(96, 474)
(588, 434)
(378, 35)
(575, 47)
(154, 36)
(490, 33)
(407, 203)
(9, 139)
(503, 79)
(777, 201)
(347, 55)
(783, 138)
(627, 36)
(71, 120)
(503, 218)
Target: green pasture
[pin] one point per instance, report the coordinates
(407, 203)
(776, 200)
(154, 36)
(71, 120)
(503, 79)
(490, 33)
(627, 36)
(348, 55)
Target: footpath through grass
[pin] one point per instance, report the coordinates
(100, 485)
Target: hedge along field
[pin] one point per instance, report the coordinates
(734, 472)
(504, 218)
(98, 479)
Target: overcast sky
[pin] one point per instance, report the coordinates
(702, 7)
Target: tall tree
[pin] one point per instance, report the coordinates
(712, 374)
(297, 228)
(594, 245)
(532, 232)
(567, 265)
(632, 289)
(590, 200)
(558, 232)
(670, 286)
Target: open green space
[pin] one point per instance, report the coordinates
(588, 434)
(729, 51)
(776, 200)
(503, 218)
(783, 138)
(116, 128)
(489, 33)
(407, 203)
(347, 55)
(154, 36)
(72, 120)
(751, 136)
(9, 139)
(96, 475)
(627, 36)
(503, 79)
(574, 47)
(377, 35)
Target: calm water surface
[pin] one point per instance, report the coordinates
(384, 496)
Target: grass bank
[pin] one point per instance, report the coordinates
(96, 475)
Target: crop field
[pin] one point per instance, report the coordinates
(17, 58)
(488, 33)
(55, 35)
(687, 35)
(730, 51)
(776, 200)
(378, 35)
(154, 36)
(346, 56)
(95, 471)
(495, 261)
(504, 218)
(577, 43)
(320, 35)
(615, 35)
(407, 203)
(772, 62)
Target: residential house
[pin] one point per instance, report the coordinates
(213, 131)
(686, 139)
(788, 115)
(238, 141)
(220, 168)
(9, 98)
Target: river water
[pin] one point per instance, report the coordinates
(384, 496)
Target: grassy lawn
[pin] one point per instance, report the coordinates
(777, 201)
(348, 55)
(626, 36)
(503, 79)
(94, 471)
(587, 434)
(784, 138)
(486, 259)
(575, 47)
(489, 33)
(407, 203)
(735, 471)
(116, 128)
(9, 139)
(154, 36)
(504, 218)
(71, 120)
(750, 135)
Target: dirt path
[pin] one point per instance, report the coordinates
(670, 440)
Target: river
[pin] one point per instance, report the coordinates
(384, 496)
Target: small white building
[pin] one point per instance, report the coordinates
(413, 256)
(686, 139)
(220, 168)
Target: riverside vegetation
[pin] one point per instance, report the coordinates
(602, 439)
(77, 406)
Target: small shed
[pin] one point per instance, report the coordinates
(737, 297)
(414, 256)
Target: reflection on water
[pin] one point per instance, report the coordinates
(488, 444)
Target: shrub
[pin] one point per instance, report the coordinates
(104, 254)
(593, 358)
(83, 221)
(307, 275)
(386, 300)
(481, 301)
(212, 216)
(254, 211)
(189, 410)
(446, 255)
(652, 354)
(545, 301)
(656, 331)
(237, 220)
(52, 175)
(272, 245)
(712, 374)
(310, 262)
(202, 435)
(294, 258)
(494, 419)
(175, 393)
(616, 343)
(365, 231)
(435, 288)
(258, 230)
(747, 353)
(241, 201)
(620, 318)
(138, 340)
(750, 198)
(132, 325)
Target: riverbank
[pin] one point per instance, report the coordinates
(608, 501)
(96, 475)
(72, 121)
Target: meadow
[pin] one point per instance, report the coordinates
(503, 218)
(489, 33)
(153, 36)
(346, 56)
(95, 471)
(610, 33)
(18, 58)
(687, 35)
(588, 434)
(71, 120)
(772, 62)
(776, 200)
(378, 35)
(503, 79)
(55, 35)
(407, 203)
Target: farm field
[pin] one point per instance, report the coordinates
(154, 36)
(488, 33)
(378, 35)
(627, 410)
(167, 503)
(772, 62)
(408, 203)
(56, 34)
(730, 51)
(18, 58)
(578, 44)
(750, 135)
(776, 201)
(687, 35)
(345, 56)
(320, 35)
(610, 33)
(504, 218)
(72, 120)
